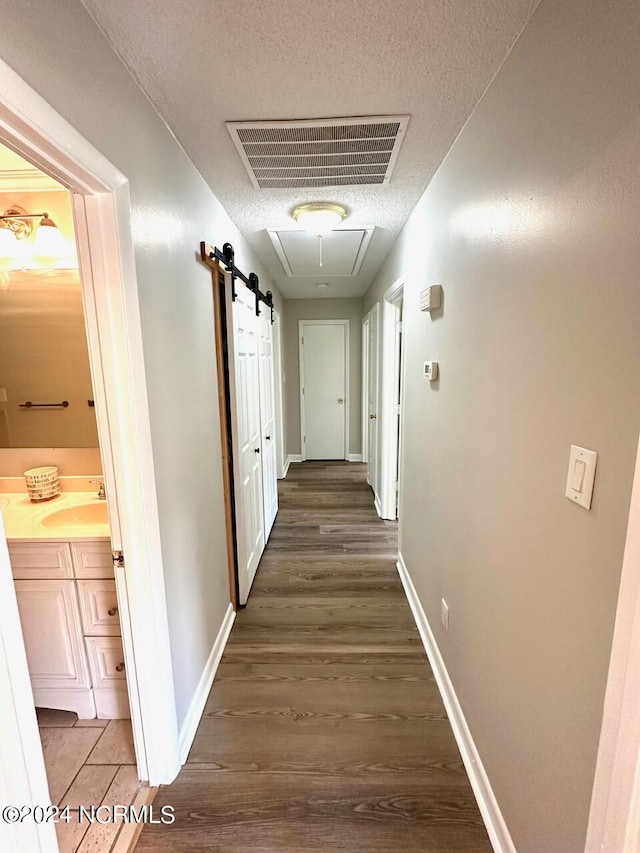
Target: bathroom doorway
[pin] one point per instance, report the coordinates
(102, 216)
(54, 503)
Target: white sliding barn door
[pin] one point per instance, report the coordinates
(373, 465)
(246, 427)
(268, 421)
(324, 392)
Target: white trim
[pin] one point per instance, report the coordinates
(285, 467)
(364, 438)
(347, 366)
(199, 700)
(614, 820)
(23, 778)
(295, 457)
(33, 129)
(274, 234)
(376, 503)
(390, 368)
(354, 457)
(494, 821)
(279, 395)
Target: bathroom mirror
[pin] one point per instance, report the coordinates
(44, 360)
(46, 395)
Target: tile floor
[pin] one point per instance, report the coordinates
(89, 762)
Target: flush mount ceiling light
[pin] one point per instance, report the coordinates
(319, 217)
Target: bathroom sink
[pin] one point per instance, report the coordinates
(71, 516)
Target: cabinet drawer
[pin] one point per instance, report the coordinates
(106, 661)
(40, 560)
(99, 608)
(92, 559)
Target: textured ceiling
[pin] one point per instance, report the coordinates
(205, 62)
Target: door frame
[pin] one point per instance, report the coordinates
(365, 388)
(614, 819)
(279, 394)
(301, 327)
(391, 366)
(102, 211)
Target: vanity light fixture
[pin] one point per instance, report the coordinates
(319, 218)
(16, 224)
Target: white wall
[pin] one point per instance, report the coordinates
(531, 226)
(321, 309)
(58, 50)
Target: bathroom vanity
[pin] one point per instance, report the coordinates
(64, 578)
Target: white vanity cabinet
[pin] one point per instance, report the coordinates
(69, 613)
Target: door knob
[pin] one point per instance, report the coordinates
(340, 400)
(120, 667)
(372, 417)
(113, 611)
(257, 450)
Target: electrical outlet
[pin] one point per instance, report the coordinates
(444, 614)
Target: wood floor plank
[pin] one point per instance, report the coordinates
(324, 729)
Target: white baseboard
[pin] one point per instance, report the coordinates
(191, 721)
(376, 503)
(295, 457)
(354, 457)
(496, 827)
(285, 467)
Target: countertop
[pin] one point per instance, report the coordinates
(23, 519)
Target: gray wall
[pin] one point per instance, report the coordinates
(531, 226)
(321, 309)
(58, 50)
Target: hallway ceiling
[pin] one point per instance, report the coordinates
(206, 62)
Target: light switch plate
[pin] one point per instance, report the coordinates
(581, 474)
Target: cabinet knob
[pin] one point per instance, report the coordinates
(256, 450)
(113, 611)
(120, 667)
(268, 437)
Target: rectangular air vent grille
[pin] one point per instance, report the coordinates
(319, 152)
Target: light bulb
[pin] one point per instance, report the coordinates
(9, 247)
(49, 242)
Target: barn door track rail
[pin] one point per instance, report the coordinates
(226, 257)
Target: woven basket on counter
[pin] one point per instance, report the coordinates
(42, 483)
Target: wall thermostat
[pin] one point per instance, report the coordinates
(430, 370)
(430, 297)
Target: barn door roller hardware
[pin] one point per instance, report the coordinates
(226, 258)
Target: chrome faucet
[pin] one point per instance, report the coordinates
(102, 495)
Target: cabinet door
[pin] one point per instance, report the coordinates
(52, 633)
(39, 560)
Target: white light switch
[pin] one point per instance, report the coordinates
(581, 474)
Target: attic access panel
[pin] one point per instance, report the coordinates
(314, 153)
(342, 252)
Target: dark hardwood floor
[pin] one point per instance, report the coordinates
(324, 729)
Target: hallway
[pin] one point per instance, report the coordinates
(324, 729)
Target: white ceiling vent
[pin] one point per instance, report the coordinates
(333, 152)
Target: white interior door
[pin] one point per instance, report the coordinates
(247, 438)
(323, 368)
(373, 465)
(268, 422)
